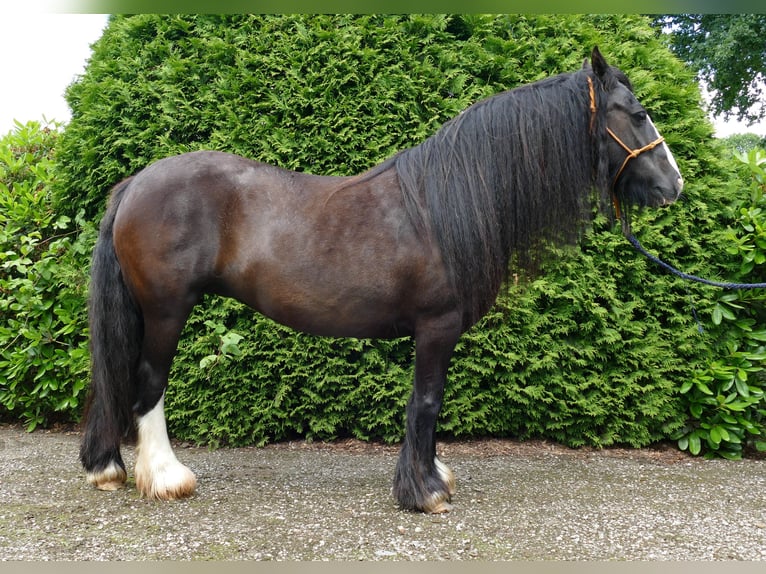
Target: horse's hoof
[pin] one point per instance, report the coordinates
(170, 482)
(438, 504)
(113, 477)
(432, 496)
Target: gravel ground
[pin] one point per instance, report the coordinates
(298, 501)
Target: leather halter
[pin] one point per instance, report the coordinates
(632, 153)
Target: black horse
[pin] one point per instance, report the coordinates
(418, 246)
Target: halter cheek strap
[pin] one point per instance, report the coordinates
(632, 153)
(592, 93)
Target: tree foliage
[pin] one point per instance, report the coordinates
(595, 351)
(729, 53)
(743, 143)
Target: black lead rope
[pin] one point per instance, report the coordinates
(722, 284)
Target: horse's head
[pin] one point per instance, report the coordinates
(642, 170)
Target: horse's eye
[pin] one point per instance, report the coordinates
(640, 117)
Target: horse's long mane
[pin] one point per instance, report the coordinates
(508, 174)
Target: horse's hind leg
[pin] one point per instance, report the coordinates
(159, 474)
(422, 481)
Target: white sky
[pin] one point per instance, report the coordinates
(42, 53)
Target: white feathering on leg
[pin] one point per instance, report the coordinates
(159, 475)
(438, 502)
(445, 473)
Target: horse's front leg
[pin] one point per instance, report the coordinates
(422, 482)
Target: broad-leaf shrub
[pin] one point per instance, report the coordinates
(727, 398)
(43, 265)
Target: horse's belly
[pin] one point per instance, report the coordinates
(334, 307)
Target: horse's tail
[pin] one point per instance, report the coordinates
(116, 333)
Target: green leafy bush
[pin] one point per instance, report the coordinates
(43, 264)
(727, 398)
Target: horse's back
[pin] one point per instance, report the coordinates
(326, 255)
(201, 175)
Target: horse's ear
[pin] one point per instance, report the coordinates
(598, 62)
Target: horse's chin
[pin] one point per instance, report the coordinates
(662, 197)
(664, 202)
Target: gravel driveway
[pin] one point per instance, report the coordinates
(297, 501)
